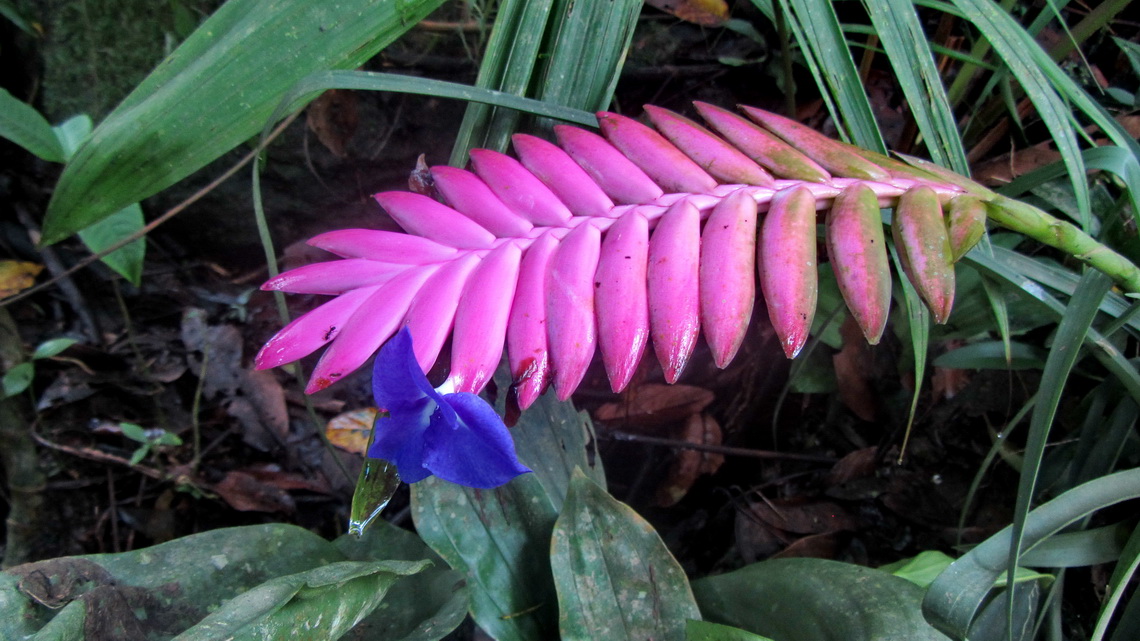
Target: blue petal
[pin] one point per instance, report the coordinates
(477, 450)
(400, 440)
(400, 387)
(397, 379)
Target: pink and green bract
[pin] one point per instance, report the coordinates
(642, 235)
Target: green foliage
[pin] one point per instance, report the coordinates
(256, 582)
(815, 600)
(215, 91)
(19, 378)
(615, 578)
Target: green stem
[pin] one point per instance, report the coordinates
(1040, 226)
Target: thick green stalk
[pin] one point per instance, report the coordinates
(1040, 226)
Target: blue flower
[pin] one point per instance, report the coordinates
(457, 437)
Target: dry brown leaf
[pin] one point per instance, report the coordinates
(690, 465)
(333, 117)
(855, 465)
(349, 431)
(245, 493)
(707, 13)
(16, 276)
(803, 516)
(814, 546)
(654, 405)
(853, 372)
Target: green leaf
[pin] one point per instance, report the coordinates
(1020, 53)
(905, 43)
(1121, 576)
(423, 607)
(508, 65)
(324, 603)
(128, 260)
(18, 379)
(816, 600)
(589, 43)
(819, 35)
(615, 577)
(15, 17)
(500, 540)
(923, 568)
(214, 92)
(134, 432)
(167, 587)
(1071, 332)
(52, 347)
(955, 597)
(553, 439)
(23, 125)
(705, 631)
(992, 355)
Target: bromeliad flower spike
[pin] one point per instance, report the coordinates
(643, 235)
(457, 437)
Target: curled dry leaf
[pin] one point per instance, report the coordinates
(16, 276)
(691, 464)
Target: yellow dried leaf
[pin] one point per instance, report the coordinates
(16, 276)
(708, 13)
(349, 431)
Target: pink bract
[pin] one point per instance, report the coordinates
(644, 235)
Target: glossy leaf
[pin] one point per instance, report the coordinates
(215, 91)
(816, 600)
(615, 577)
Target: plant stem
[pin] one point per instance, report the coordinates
(1040, 226)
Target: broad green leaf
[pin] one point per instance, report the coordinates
(23, 125)
(553, 439)
(705, 631)
(52, 347)
(953, 600)
(18, 379)
(324, 603)
(500, 540)
(423, 607)
(215, 91)
(127, 261)
(816, 600)
(167, 587)
(615, 577)
(923, 568)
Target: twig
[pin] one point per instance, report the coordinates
(720, 449)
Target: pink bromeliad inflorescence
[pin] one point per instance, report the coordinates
(642, 235)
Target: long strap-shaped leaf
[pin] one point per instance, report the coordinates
(643, 232)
